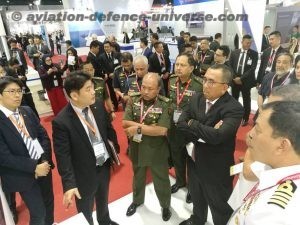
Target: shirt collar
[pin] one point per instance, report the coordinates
(212, 102)
(76, 109)
(270, 177)
(276, 49)
(7, 112)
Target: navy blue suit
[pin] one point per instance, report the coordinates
(18, 169)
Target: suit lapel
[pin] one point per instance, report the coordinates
(9, 124)
(98, 119)
(27, 122)
(78, 126)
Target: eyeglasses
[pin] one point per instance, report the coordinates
(14, 92)
(211, 83)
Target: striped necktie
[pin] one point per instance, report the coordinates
(27, 139)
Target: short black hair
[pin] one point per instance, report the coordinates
(226, 72)
(218, 35)
(39, 37)
(157, 43)
(267, 27)
(12, 41)
(126, 56)
(75, 81)
(94, 44)
(187, 33)
(107, 42)
(68, 42)
(7, 80)
(297, 60)
(285, 121)
(225, 49)
(144, 41)
(193, 38)
(155, 36)
(188, 45)
(276, 33)
(247, 36)
(190, 57)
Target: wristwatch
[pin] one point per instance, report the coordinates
(139, 130)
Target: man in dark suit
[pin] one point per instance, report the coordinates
(215, 44)
(36, 53)
(17, 53)
(81, 132)
(94, 58)
(109, 60)
(25, 154)
(153, 39)
(265, 38)
(146, 51)
(268, 57)
(159, 62)
(243, 63)
(209, 126)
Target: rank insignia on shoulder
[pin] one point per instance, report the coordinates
(198, 79)
(283, 194)
(134, 94)
(163, 98)
(173, 75)
(131, 75)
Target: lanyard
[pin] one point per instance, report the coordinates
(254, 190)
(91, 127)
(143, 116)
(180, 96)
(203, 57)
(287, 77)
(21, 126)
(137, 83)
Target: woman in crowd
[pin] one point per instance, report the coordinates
(73, 61)
(50, 75)
(296, 78)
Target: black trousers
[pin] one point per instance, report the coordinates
(45, 188)
(246, 94)
(205, 194)
(100, 194)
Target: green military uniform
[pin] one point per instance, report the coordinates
(178, 151)
(152, 151)
(100, 89)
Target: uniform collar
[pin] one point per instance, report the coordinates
(270, 177)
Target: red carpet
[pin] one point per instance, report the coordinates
(121, 178)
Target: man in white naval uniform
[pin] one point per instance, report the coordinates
(275, 141)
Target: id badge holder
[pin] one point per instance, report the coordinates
(99, 149)
(249, 62)
(176, 115)
(116, 61)
(55, 82)
(137, 138)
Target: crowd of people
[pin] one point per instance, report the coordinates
(181, 116)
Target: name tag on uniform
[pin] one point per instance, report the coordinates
(137, 138)
(99, 148)
(37, 147)
(116, 61)
(55, 82)
(249, 62)
(177, 113)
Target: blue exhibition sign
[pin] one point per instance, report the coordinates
(186, 2)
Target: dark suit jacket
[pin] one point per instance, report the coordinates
(215, 156)
(165, 46)
(16, 166)
(74, 153)
(22, 58)
(214, 45)
(265, 43)
(154, 64)
(248, 77)
(35, 59)
(147, 52)
(95, 60)
(107, 65)
(264, 59)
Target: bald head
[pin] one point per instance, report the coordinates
(150, 86)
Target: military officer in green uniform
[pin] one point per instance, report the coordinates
(183, 85)
(121, 75)
(101, 90)
(146, 121)
(140, 65)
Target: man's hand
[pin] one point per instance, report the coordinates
(68, 197)
(50, 71)
(42, 169)
(219, 124)
(131, 131)
(237, 81)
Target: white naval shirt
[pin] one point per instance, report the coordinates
(278, 205)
